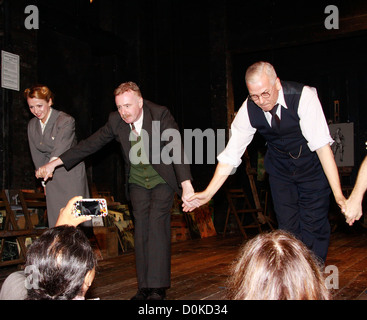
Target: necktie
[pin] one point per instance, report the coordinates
(134, 130)
(275, 121)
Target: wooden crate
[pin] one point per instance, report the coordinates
(107, 241)
(21, 220)
(179, 229)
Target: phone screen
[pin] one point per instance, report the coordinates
(90, 208)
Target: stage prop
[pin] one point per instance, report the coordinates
(343, 146)
(19, 214)
(259, 213)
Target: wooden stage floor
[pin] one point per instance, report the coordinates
(200, 268)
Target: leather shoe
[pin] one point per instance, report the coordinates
(142, 294)
(157, 294)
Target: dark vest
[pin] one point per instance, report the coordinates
(288, 152)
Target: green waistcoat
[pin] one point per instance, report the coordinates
(143, 173)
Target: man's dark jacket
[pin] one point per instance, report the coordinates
(156, 120)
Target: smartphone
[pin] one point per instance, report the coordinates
(91, 207)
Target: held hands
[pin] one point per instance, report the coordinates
(196, 200)
(341, 202)
(353, 210)
(67, 216)
(192, 200)
(188, 192)
(45, 172)
(48, 169)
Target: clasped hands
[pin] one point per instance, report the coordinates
(190, 199)
(352, 210)
(45, 172)
(193, 201)
(41, 173)
(351, 207)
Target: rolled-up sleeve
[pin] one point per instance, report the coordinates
(312, 120)
(241, 134)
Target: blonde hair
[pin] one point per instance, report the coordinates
(276, 266)
(259, 68)
(39, 92)
(127, 86)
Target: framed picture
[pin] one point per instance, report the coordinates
(343, 146)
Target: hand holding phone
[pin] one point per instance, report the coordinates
(67, 216)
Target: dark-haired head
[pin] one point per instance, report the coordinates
(61, 260)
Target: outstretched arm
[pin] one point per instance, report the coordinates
(354, 203)
(327, 160)
(221, 174)
(48, 169)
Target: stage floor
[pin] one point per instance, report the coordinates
(200, 268)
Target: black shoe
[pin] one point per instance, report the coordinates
(142, 294)
(157, 294)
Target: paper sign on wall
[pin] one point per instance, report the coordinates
(9, 70)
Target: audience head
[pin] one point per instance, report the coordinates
(276, 266)
(62, 263)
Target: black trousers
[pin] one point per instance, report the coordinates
(301, 202)
(152, 222)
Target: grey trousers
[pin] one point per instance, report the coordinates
(152, 222)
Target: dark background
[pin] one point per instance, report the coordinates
(188, 55)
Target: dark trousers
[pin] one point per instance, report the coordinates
(301, 203)
(152, 222)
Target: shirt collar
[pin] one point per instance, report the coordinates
(138, 124)
(281, 99)
(43, 125)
